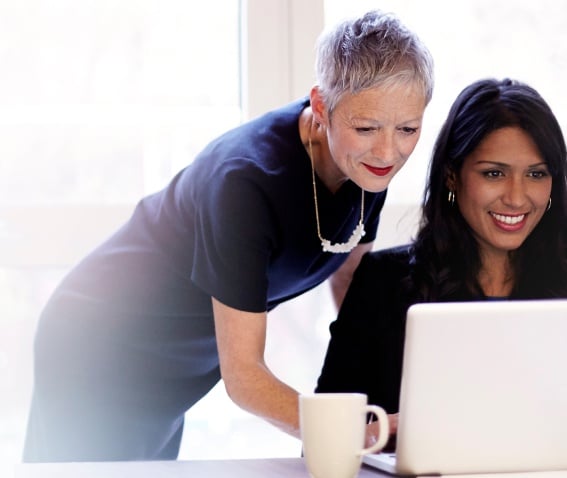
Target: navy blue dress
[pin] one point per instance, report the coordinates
(126, 344)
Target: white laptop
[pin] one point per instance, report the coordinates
(484, 389)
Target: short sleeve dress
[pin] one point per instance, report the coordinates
(133, 323)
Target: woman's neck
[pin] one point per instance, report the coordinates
(318, 150)
(496, 277)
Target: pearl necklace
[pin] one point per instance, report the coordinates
(357, 233)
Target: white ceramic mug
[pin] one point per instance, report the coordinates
(333, 429)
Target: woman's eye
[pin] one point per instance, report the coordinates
(409, 131)
(493, 173)
(538, 174)
(364, 130)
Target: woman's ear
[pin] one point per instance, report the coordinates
(451, 180)
(318, 106)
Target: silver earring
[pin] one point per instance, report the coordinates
(451, 198)
(549, 204)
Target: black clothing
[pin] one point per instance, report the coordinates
(126, 344)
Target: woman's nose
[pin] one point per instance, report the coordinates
(384, 148)
(515, 193)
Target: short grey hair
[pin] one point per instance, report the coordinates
(373, 50)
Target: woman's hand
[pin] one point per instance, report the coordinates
(373, 430)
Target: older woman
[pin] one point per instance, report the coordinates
(146, 324)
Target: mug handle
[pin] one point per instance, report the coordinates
(384, 425)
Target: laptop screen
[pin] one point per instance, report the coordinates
(484, 388)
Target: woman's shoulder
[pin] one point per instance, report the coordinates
(384, 269)
(380, 289)
(396, 258)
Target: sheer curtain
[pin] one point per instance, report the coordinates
(100, 103)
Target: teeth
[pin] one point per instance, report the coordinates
(508, 219)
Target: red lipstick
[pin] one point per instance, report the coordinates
(378, 171)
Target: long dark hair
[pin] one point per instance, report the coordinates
(446, 255)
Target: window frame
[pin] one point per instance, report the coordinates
(276, 67)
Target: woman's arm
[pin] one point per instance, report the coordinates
(241, 339)
(341, 279)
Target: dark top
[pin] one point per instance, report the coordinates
(238, 224)
(366, 346)
(126, 344)
(367, 339)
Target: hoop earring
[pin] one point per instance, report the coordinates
(451, 198)
(549, 204)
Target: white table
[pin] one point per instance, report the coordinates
(245, 468)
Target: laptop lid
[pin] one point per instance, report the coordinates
(484, 388)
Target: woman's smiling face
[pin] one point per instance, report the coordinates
(371, 134)
(503, 190)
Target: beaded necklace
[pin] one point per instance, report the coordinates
(357, 233)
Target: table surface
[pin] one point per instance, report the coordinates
(244, 468)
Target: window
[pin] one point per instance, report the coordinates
(470, 40)
(100, 103)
